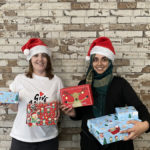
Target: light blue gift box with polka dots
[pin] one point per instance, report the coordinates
(106, 129)
(8, 97)
(126, 113)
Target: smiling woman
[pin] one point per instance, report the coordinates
(40, 64)
(38, 85)
(100, 63)
(109, 92)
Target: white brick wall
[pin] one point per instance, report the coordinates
(69, 27)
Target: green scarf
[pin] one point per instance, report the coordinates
(99, 84)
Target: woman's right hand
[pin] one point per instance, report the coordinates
(13, 107)
(3, 104)
(70, 111)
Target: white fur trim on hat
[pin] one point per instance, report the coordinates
(103, 51)
(26, 52)
(87, 58)
(38, 49)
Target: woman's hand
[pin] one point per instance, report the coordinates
(13, 107)
(138, 129)
(5, 105)
(70, 111)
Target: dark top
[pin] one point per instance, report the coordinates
(119, 94)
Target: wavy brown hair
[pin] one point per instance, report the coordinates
(49, 69)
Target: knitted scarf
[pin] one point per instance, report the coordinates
(99, 84)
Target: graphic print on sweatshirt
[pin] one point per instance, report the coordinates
(39, 98)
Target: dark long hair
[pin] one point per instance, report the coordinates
(49, 69)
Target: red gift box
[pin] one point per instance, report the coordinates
(77, 96)
(41, 114)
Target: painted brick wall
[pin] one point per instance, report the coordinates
(68, 27)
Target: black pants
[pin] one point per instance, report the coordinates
(45, 145)
(90, 143)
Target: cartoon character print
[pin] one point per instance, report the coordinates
(116, 138)
(77, 96)
(110, 139)
(76, 101)
(41, 113)
(101, 135)
(114, 130)
(34, 117)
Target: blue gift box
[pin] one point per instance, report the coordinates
(9, 97)
(126, 113)
(106, 129)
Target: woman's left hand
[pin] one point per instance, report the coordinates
(137, 130)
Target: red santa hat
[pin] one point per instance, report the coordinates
(102, 46)
(34, 46)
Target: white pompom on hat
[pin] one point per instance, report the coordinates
(34, 46)
(102, 46)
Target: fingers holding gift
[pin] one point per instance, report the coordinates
(68, 110)
(138, 128)
(131, 134)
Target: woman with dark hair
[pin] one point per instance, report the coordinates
(109, 92)
(38, 85)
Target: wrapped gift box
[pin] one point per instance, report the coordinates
(106, 129)
(9, 97)
(77, 96)
(126, 113)
(41, 114)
